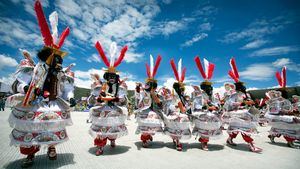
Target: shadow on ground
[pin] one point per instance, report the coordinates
(41, 161)
(152, 145)
(284, 144)
(108, 150)
(211, 147)
(242, 147)
(171, 145)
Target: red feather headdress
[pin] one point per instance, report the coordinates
(233, 73)
(180, 73)
(206, 73)
(152, 69)
(49, 40)
(281, 78)
(112, 63)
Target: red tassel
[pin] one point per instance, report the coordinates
(63, 36)
(198, 63)
(211, 68)
(158, 59)
(234, 68)
(231, 74)
(174, 69)
(102, 54)
(45, 31)
(121, 57)
(278, 76)
(283, 77)
(183, 74)
(148, 70)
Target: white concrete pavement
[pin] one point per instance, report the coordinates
(78, 152)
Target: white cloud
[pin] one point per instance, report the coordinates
(254, 72)
(28, 5)
(19, 33)
(256, 30)
(255, 44)
(169, 27)
(93, 59)
(7, 61)
(133, 57)
(80, 34)
(69, 7)
(205, 27)
(8, 80)
(281, 62)
(207, 10)
(167, 1)
(222, 79)
(291, 66)
(274, 51)
(266, 71)
(196, 38)
(119, 21)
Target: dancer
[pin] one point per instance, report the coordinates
(205, 108)
(22, 81)
(237, 106)
(280, 113)
(149, 115)
(175, 108)
(108, 119)
(95, 90)
(41, 117)
(296, 104)
(67, 85)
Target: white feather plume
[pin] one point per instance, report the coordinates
(179, 68)
(151, 65)
(112, 50)
(53, 17)
(206, 65)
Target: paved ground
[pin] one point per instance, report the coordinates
(78, 152)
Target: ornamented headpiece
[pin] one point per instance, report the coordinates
(233, 73)
(152, 69)
(112, 63)
(180, 73)
(50, 41)
(209, 69)
(281, 77)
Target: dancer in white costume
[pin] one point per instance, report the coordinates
(175, 107)
(67, 85)
(95, 90)
(296, 104)
(108, 118)
(206, 108)
(280, 114)
(237, 106)
(22, 81)
(149, 115)
(42, 115)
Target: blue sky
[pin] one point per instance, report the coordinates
(263, 36)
